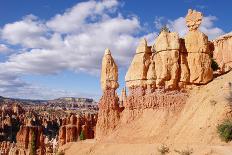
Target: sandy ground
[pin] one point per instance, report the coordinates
(192, 128)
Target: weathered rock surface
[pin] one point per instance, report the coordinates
(199, 51)
(29, 135)
(166, 59)
(193, 19)
(137, 72)
(72, 127)
(109, 72)
(122, 97)
(223, 52)
(108, 115)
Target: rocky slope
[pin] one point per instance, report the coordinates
(173, 98)
(194, 127)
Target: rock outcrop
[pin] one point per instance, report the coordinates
(136, 75)
(28, 137)
(123, 97)
(223, 52)
(72, 127)
(109, 111)
(109, 72)
(166, 58)
(199, 51)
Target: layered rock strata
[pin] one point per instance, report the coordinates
(166, 58)
(173, 62)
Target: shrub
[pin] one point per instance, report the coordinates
(60, 153)
(214, 65)
(225, 130)
(82, 136)
(185, 152)
(163, 149)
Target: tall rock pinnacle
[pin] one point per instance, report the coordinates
(109, 72)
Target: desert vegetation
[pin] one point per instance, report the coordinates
(163, 149)
(225, 130)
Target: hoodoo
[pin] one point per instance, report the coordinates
(172, 97)
(199, 51)
(108, 115)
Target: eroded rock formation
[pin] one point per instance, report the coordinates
(223, 52)
(136, 75)
(199, 51)
(108, 115)
(28, 137)
(173, 62)
(166, 58)
(72, 127)
(109, 72)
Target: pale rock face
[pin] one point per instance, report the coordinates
(109, 72)
(193, 19)
(199, 51)
(184, 69)
(199, 60)
(166, 59)
(151, 76)
(223, 52)
(137, 72)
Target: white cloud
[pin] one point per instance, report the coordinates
(76, 18)
(74, 40)
(27, 32)
(4, 48)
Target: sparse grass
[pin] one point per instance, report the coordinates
(225, 130)
(185, 152)
(163, 149)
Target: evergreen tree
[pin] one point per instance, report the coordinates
(32, 145)
(82, 136)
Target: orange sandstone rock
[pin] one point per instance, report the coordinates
(223, 52)
(199, 51)
(109, 72)
(166, 59)
(137, 72)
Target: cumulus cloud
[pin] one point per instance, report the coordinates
(4, 48)
(75, 40)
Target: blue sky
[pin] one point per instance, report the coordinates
(51, 49)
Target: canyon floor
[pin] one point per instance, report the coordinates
(193, 128)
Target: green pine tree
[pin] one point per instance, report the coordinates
(32, 145)
(82, 136)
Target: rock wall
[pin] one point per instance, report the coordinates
(28, 135)
(72, 127)
(173, 62)
(223, 52)
(137, 72)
